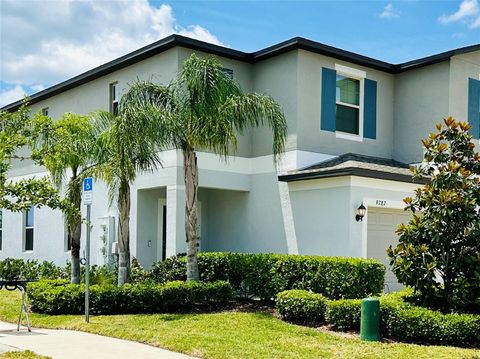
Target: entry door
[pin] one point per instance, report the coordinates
(162, 230)
(381, 227)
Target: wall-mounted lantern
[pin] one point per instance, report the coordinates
(361, 210)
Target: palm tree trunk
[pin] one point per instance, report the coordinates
(124, 234)
(190, 172)
(74, 234)
(75, 229)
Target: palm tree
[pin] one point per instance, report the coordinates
(126, 146)
(204, 109)
(65, 147)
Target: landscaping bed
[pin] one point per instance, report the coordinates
(399, 319)
(241, 334)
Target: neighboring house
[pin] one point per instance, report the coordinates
(355, 123)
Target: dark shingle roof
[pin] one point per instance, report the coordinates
(352, 164)
(252, 57)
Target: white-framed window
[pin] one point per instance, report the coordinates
(28, 229)
(114, 98)
(228, 72)
(1, 229)
(45, 111)
(349, 102)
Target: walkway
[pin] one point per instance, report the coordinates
(63, 344)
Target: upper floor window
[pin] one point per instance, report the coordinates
(28, 235)
(114, 98)
(1, 229)
(348, 103)
(347, 112)
(228, 72)
(45, 111)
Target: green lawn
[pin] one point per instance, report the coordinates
(230, 334)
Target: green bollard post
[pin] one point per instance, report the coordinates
(370, 320)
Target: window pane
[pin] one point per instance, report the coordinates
(29, 217)
(348, 90)
(115, 108)
(1, 219)
(347, 119)
(29, 239)
(1, 240)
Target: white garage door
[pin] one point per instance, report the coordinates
(381, 227)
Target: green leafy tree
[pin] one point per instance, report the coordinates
(204, 109)
(126, 145)
(439, 249)
(65, 147)
(17, 196)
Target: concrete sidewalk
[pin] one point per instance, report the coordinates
(63, 344)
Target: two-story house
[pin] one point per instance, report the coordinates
(355, 124)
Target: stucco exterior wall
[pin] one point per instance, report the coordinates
(277, 77)
(462, 67)
(421, 101)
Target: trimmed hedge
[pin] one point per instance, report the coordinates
(300, 306)
(399, 319)
(265, 275)
(251, 275)
(60, 297)
(344, 315)
(14, 269)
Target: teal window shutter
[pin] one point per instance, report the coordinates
(370, 109)
(474, 106)
(327, 120)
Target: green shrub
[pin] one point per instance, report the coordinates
(442, 244)
(14, 269)
(265, 275)
(137, 273)
(60, 297)
(344, 314)
(301, 306)
(403, 321)
(410, 323)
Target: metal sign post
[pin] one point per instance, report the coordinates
(87, 199)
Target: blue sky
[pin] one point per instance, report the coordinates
(407, 30)
(43, 42)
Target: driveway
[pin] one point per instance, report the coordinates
(63, 344)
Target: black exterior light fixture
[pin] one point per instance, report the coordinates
(361, 210)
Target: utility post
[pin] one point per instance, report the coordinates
(87, 200)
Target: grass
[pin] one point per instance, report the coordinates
(230, 334)
(27, 354)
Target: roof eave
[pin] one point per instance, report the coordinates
(351, 171)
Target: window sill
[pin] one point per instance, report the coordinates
(348, 136)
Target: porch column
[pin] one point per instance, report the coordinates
(175, 220)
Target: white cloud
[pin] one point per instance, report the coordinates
(458, 35)
(11, 95)
(389, 12)
(45, 42)
(476, 23)
(468, 12)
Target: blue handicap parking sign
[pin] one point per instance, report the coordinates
(88, 184)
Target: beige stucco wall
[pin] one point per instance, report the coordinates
(462, 67)
(421, 101)
(277, 77)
